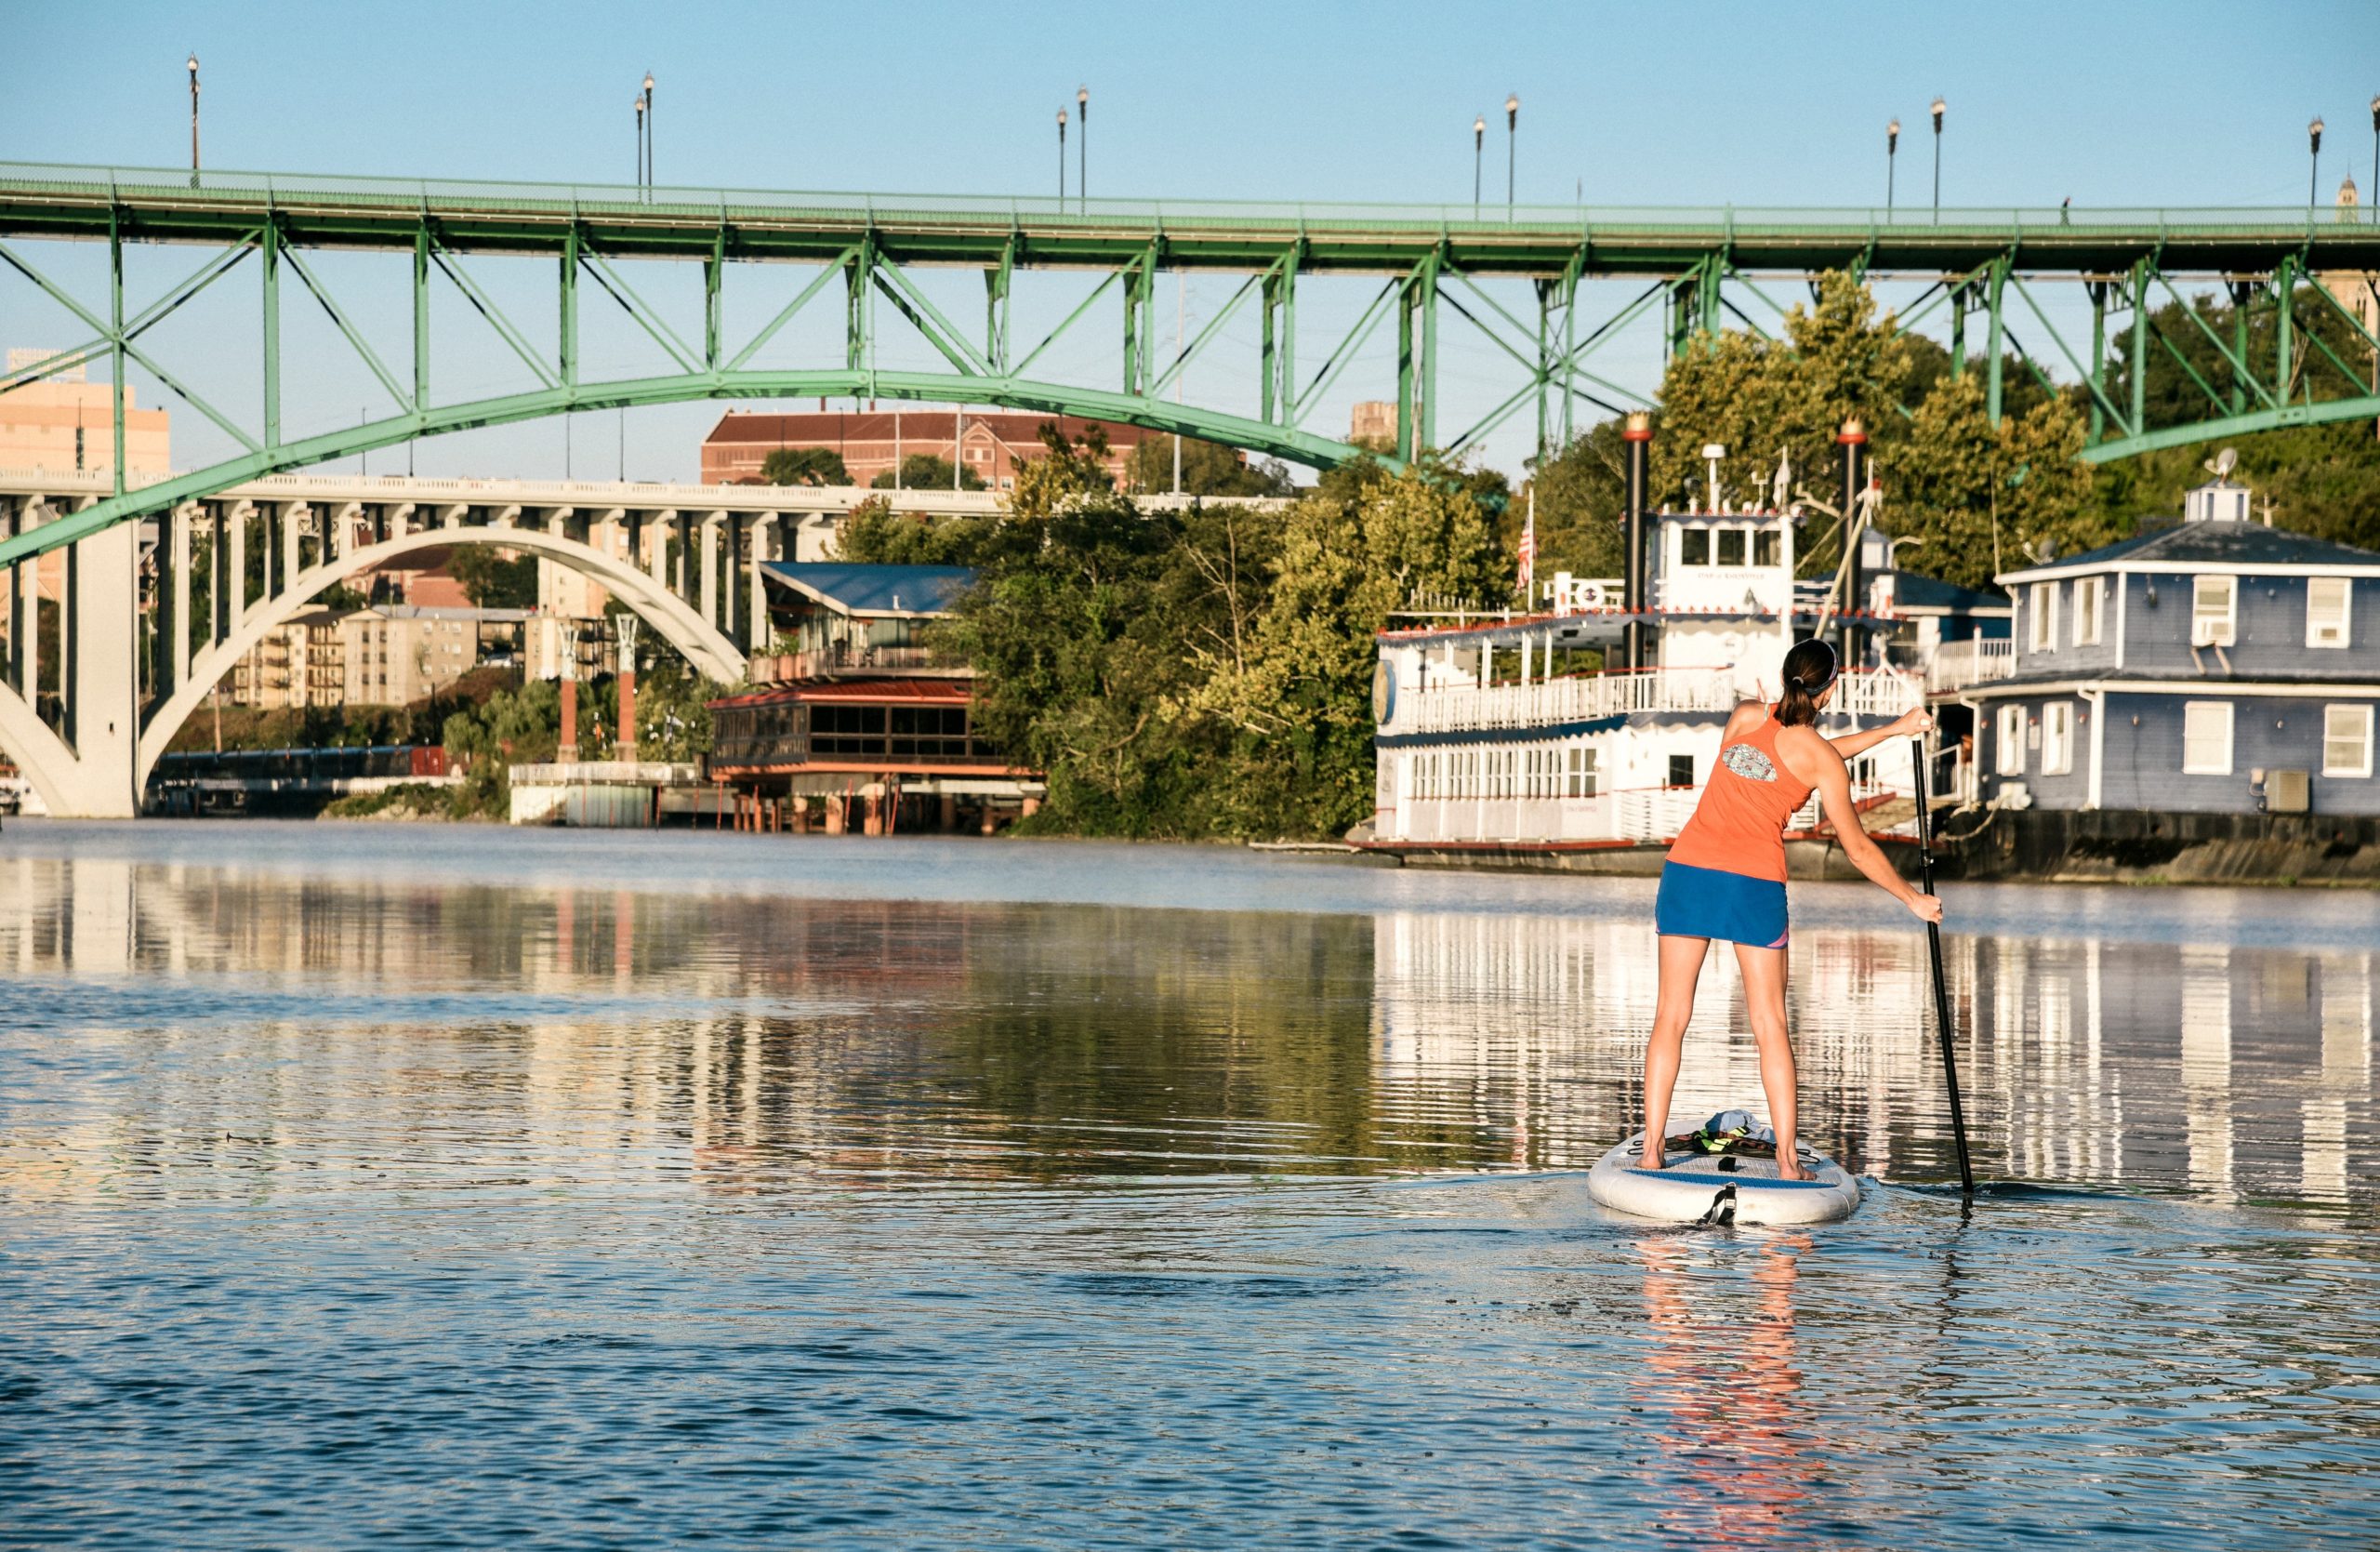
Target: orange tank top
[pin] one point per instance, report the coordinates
(1739, 825)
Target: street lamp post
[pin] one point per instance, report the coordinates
(1479, 152)
(2376, 157)
(1892, 157)
(1939, 106)
(1062, 161)
(639, 143)
(2314, 153)
(193, 119)
(647, 100)
(1082, 151)
(1512, 136)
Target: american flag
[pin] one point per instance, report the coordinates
(1528, 552)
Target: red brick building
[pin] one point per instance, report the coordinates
(871, 441)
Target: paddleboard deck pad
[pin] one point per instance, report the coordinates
(1696, 1187)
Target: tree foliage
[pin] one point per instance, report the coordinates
(807, 466)
(1207, 469)
(925, 472)
(490, 580)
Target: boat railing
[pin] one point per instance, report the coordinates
(1586, 697)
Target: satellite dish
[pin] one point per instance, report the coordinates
(2221, 465)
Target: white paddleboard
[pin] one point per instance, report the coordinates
(1699, 1187)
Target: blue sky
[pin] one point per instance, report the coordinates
(2180, 104)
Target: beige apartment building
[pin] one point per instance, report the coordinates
(389, 655)
(874, 442)
(66, 421)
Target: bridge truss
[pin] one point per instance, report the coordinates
(883, 270)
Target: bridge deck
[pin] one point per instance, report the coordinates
(377, 213)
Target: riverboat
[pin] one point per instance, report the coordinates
(1490, 747)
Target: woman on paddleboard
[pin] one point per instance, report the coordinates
(1725, 879)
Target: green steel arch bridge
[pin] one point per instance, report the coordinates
(869, 255)
(1515, 277)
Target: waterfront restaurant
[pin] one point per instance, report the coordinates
(2216, 665)
(857, 723)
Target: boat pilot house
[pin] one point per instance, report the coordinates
(2218, 664)
(857, 721)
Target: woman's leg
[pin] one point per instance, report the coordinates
(1764, 973)
(1681, 967)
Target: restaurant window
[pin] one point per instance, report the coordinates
(2346, 740)
(2008, 747)
(2042, 607)
(2326, 610)
(2057, 738)
(1583, 772)
(2214, 622)
(2206, 737)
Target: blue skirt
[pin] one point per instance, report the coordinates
(1704, 902)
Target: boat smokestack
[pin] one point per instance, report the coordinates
(1639, 439)
(1852, 440)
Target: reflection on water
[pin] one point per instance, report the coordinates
(340, 1208)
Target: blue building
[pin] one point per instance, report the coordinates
(2215, 666)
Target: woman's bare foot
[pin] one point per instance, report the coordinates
(1652, 1158)
(1789, 1167)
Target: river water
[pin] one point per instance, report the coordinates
(385, 1187)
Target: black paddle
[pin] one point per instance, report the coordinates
(1933, 942)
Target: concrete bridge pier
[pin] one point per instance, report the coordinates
(87, 765)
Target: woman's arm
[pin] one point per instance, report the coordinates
(1828, 774)
(1908, 724)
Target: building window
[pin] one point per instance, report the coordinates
(1681, 770)
(2086, 611)
(2326, 610)
(2057, 738)
(2214, 601)
(2008, 749)
(2206, 737)
(2346, 740)
(1582, 771)
(1694, 547)
(2042, 606)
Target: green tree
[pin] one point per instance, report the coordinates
(673, 720)
(925, 472)
(1354, 551)
(512, 727)
(1580, 491)
(805, 466)
(1207, 469)
(490, 581)
(1986, 501)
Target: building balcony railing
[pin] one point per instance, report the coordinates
(1585, 698)
(1959, 663)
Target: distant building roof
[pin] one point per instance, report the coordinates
(853, 589)
(921, 692)
(2187, 544)
(1914, 592)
